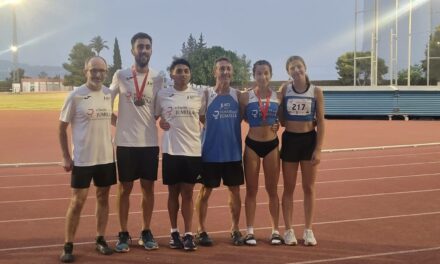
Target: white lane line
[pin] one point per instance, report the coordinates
(382, 156)
(382, 166)
(242, 187)
(382, 147)
(325, 160)
(35, 175)
(389, 253)
(31, 164)
(332, 169)
(36, 186)
(227, 206)
(255, 228)
(8, 165)
(379, 178)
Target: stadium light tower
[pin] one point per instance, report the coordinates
(14, 48)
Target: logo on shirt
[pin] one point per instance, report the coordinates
(216, 114)
(225, 106)
(86, 97)
(254, 113)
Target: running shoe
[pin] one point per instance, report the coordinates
(309, 238)
(102, 247)
(122, 244)
(289, 238)
(276, 239)
(175, 241)
(147, 240)
(250, 240)
(188, 243)
(237, 238)
(67, 255)
(203, 239)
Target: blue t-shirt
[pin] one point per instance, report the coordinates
(221, 140)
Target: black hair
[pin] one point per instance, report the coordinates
(261, 62)
(140, 35)
(177, 62)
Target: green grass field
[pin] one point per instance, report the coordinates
(34, 101)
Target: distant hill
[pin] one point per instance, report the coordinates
(30, 70)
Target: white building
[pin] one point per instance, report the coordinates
(43, 85)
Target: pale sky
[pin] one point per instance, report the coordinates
(318, 30)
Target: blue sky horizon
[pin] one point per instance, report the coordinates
(318, 30)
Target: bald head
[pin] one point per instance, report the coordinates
(95, 70)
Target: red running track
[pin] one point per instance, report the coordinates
(373, 206)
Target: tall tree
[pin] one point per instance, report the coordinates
(201, 44)
(20, 76)
(77, 57)
(416, 73)
(43, 75)
(189, 47)
(98, 44)
(344, 66)
(117, 62)
(434, 54)
(202, 60)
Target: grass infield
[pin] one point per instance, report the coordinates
(34, 101)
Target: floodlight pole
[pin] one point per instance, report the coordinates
(15, 76)
(428, 52)
(409, 42)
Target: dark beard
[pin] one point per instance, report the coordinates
(142, 63)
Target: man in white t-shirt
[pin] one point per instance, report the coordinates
(180, 107)
(137, 150)
(88, 109)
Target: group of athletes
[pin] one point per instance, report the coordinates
(201, 143)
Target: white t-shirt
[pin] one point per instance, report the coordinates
(89, 113)
(136, 125)
(181, 109)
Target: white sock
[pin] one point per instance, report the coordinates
(174, 230)
(188, 233)
(275, 231)
(250, 230)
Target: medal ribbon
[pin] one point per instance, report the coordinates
(136, 85)
(264, 109)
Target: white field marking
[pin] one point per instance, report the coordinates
(36, 186)
(388, 253)
(332, 169)
(382, 156)
(35, 175)
(382, 166)
(255, 228)
(6, 165)
(349, 158)
(382, 147)
(261, 173)
(241, 187)
(31, 164)
(227, 206)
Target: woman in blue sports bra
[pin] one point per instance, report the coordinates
(260, 108)
(303, 117)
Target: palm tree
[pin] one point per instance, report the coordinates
(97, 44)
